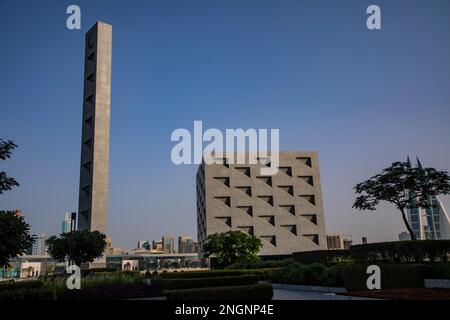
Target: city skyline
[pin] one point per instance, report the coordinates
(170, 69)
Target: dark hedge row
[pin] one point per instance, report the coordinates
(17, 285)
(418, 251)
(113, 291)
(263, 274)
(326, 257)
(393, 276)
(249, 292)
(171, 284)
(313, 274)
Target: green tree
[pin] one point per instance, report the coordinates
(80, 246)
(15, 236)
(6, 148)
(232, 246)
(404, 186)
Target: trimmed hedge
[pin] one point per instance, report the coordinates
(250, 292)
(313, 274)
(42, 293)
(326, 257)
(441, 271)
(393, 276)
(261, 265)
(171, 284)
(17, 285)
(113, 291)
(263, 274)
(417, 251)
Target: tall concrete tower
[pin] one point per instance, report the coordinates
(93, 195)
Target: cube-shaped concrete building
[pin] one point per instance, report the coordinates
(285, 210)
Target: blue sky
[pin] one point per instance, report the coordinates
(361, 98)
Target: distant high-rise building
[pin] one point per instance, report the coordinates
(347, 243)
(338, 242)
(38, 247)
(157, 245)
(143, 244)
(432, 223)
(187, 245)
(284, 210)
(168, 243)
(69, 222)
(335, 242)
(403, 236)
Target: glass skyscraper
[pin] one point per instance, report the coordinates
(431, 223)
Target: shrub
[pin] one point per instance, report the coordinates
(249, 292)
(393, 276)
(332, 277)
(171, 284)
(326, 257)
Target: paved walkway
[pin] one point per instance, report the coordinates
(285, 294)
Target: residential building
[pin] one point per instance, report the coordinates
(335, 242)
(284, 210)
(38, 247)
(143, 244)
(347, 243)
(69, 222)
(168, 244)
(187, 244)
(157, 245)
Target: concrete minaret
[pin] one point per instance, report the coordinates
(93, 196)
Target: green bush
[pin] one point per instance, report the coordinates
(313, 274)
(393, 276)
(249, 292)
(16, 285)
(417, 251)
(326, 257)
(332, 277)
(171, 284)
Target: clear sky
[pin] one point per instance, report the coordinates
(363, 99)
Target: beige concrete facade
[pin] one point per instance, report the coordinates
(285, 210)
(94, 169)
